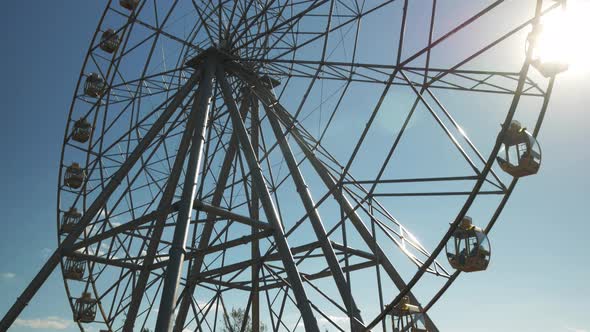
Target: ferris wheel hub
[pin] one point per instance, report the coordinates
(222, 56)
(211, 52)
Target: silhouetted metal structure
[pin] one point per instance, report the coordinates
(207, 141)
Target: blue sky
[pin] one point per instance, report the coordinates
(538, 277)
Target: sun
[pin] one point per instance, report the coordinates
(564, 37)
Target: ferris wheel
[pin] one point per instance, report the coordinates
(292, 165)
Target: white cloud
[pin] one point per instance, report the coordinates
(342, 321)
(576, 330)
(47, 323)
(7, 275)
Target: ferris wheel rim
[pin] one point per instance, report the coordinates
(70, 119)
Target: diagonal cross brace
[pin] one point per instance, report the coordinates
(206, 233)
(98, 204)
(137, 293)
(268, 99)
(268, 206)
(316, 222)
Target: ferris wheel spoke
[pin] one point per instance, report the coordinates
(124, 277)
(438, 120)
(330, 29)
(124, 227)
(244, 19)
(398, 238)
(203, 19)
(159, 30)
(230, 19)
(106, 261)
(165, 201)
(124, 300)
(497, 182)
(207, 230)
(330, 183)
(420, 99)
(493, 44)
(139, 123)
(147, 163)
(290, 22)
(170, 73)
(268, 206)
(220, 247)
(460, 80)
(263, 24)
(152, 89)
(257, 235)
(315, 219)
(90, 214)
(134, 179)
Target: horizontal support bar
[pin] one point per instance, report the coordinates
(450, 193)
(105, 261)
(220, 212)
(219, 247)
(438, 179)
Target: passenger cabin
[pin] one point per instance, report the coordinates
(109, 41)
(405, 317)
(129, 4)
(70, 220)
(85, 309)
(74, 268)
(520, 154)
(74, 176)
(95, 86)
(468, 249)
(82, 131)
(546, 67)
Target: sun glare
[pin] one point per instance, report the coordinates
(564, 38)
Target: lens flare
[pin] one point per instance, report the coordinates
(564, 37)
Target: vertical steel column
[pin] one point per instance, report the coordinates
(316, 222)
(158, 228)
(254, 214)
(207, 231)
(26, 296)
(294, 278)
(330, 183)
(178, 247)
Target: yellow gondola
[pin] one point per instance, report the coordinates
(74, 268)
(82, 131)
(74, 176)
(468, 250)
(70, 220)
(109, 41)
(405, 317)
(520, 154)
(95, 86)
(85, 309)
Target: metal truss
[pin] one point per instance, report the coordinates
(214, 178)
